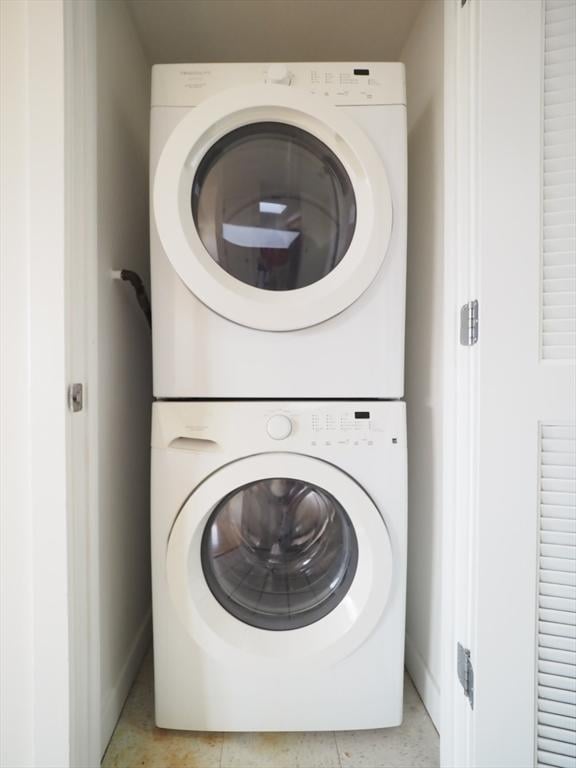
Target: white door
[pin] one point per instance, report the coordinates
(279, 556)
(521, 562)
(273, 208)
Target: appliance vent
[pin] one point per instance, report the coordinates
(558, 293)
(556, 716)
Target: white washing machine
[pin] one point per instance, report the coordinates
(279, 564)
(278, 230)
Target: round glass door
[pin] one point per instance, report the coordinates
(274, 206)
(279, 553)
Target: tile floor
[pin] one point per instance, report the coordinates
(137, 743)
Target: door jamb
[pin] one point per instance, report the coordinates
(80, 77)
(460, 110)
(460, 374)
(461, 71)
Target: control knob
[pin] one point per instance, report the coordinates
(279, 74)
(279, 427)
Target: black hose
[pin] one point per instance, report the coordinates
(140, 290)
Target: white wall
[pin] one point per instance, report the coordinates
(423, 57)
(124, 363)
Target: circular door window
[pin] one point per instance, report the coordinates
(279, 553)
(260, 545)
(274, 206)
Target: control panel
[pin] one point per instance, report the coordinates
(343, 426)
(347, 428)
(315, 427)
(343, 83)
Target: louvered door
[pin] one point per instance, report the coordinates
(556, 729)
(558, 300)
(522, 642)
(556, 700)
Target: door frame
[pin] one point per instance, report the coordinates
(461, 59)
(78, 732)
(470, 47)
(48, 622)
(49, 676)
(80, 105)
(38, 642)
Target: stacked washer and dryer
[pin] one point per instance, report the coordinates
(278, 253)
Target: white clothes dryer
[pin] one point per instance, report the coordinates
(278, 230)
(279, 565)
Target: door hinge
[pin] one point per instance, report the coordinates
(75, 397)
(466, 673)
(469, 324)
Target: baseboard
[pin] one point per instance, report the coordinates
(114, 699)
(423, 681)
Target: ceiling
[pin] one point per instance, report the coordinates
(273, 30)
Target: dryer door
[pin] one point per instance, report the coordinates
(273, 208)
(279, 555)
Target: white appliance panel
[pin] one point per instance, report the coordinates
(343, 671)
(357, 353)
(341, 83)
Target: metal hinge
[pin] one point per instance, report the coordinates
(466, 673)
(469, 324)
(75, 397)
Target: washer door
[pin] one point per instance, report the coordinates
(273, 208)
(279, 555)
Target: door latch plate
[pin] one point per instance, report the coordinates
(75, 397)
(466, 673)
(469, 323)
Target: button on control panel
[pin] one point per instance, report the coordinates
(279, 74)
(352, 421)
(279, 427)
(342, 429)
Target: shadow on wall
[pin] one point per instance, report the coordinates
(124, 356)
(424, 380)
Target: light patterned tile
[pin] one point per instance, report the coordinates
(414, 744)
(280, 750)
(164, 749)
(137, 743)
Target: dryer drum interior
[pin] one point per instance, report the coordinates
(274, 206)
